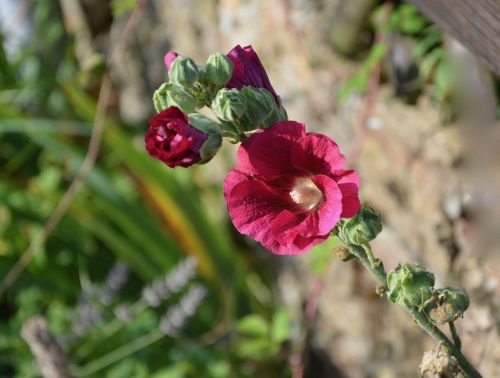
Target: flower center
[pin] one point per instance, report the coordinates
(306, 194)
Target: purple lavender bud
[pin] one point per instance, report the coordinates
(175, 318)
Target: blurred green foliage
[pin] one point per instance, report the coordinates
(133, 210)
(427, 52)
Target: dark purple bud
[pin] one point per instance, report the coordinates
(248, 71)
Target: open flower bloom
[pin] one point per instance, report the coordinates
(173, 140)
(289, 189)
(248, 70)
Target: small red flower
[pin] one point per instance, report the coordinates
(248, 70)
(173, 140)
(289, 189)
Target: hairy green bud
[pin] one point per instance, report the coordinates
(262, 110)
(360, 229)
(160, 99)
(214, 141)
(183, 71)
(450, 304)
(219, 69)
(410, 285)
(229, 105)
(178, 96)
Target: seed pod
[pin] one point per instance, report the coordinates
(451, 303)
(410, 285)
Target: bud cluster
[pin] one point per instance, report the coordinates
(242, 102)
(190, 86)
(411, 285)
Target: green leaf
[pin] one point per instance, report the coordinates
(280, 328)
(41, 125)
(321, 256)
(253, 325)
(119, 7)
(258, 349)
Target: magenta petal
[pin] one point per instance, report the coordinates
(252, 205)
(232, 179)
(317, 154)
(321, 221)
(268, 152)
(304, 244)
(329, 212)
(284, 226)
(348, 182)
(169, 59)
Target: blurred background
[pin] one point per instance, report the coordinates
(144, 275)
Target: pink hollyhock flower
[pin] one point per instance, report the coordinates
(289, 189)
(169, 59)
(173, 140)
(248, 70)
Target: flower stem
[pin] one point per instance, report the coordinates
(365, 256)
(424, 323)
(376, 268)
(454, 335)
(120, 353)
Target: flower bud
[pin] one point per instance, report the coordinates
(410, 285)
(360, 229)
(160, 99)
(342, 253)
(451, 303)
(219, 69)
(171, 139)
(169, 59)
(177, 96)
(229, 105)
(214, 141)
(183, 71)
(262, 110)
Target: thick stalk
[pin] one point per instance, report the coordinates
(424, 323)
(454, 335)
(376, 268)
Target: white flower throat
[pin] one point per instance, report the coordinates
(306, 194)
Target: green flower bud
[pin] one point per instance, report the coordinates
(361, 229)
(229, 105)
(214, 141)
(160, 97)
(219, 69)
(177, 96)
(450, 304)
(410, 285)
(183, 71)
(262, 110)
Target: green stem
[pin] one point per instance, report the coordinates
(370, 263)
(454, 335)
(114, 326)
(439, 336)
(120, 353)
(374, 266)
